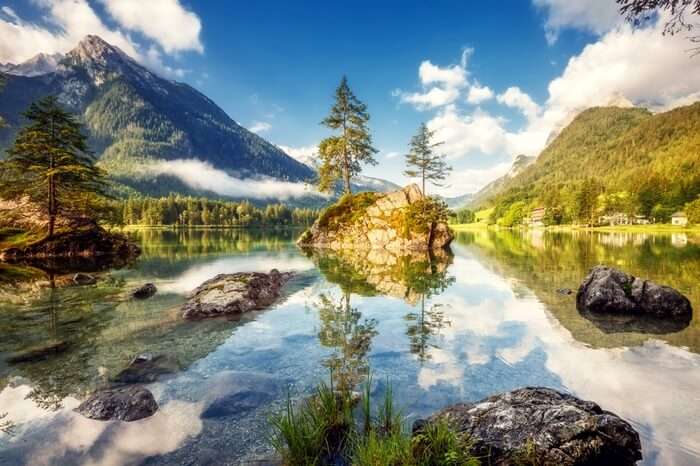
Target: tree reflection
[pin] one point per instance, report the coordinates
(423, 326)
(344, 330)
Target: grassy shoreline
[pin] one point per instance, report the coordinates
(655, 228)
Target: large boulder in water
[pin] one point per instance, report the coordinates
(121, 404)
(403, 220)
(542, 426)
(609, 290)
(236, 293)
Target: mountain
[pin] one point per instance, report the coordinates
(136, 119)
(652, 161)
(520, 163)
(458, 202)
(41, 63)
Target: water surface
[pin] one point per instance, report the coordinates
(450, 329)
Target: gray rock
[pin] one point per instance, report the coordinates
(565, 291)
(609, 290)
(147, 368)
(122, 404)
(232, 294)
(542, 426)
(144, 291)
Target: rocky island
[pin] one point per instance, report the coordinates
(403, 220)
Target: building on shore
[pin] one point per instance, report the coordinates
(536, 218)
(679, 219)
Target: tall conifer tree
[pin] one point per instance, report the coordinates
(342, 155)
(422, 161)
(51, 165)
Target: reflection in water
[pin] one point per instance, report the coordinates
(350, 338)
(442, 329)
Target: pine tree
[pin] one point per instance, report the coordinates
(342, 155)
(50, 164)
(422, 161)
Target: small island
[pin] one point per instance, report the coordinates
(403, 220)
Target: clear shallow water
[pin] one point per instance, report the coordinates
(487, 320)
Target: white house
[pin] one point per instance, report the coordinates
(679, 218)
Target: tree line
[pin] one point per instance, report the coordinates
(187, 211)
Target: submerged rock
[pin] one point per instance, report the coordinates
(542, 426)
(231, 294)
(395, 221)
(145, 291)
(81, 279)
(233, 393)
(38, 353)
(147, 368)
(121, 404)
(609, 290)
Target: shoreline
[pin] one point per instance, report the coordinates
(655, 228)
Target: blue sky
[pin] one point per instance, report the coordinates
(493, 79)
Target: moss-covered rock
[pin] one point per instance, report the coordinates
(396, 221)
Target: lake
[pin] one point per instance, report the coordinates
(486, 320)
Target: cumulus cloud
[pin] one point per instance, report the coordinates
(260, 127)
(465, 133)
(596, 16)
(64, 24)
(471, 180)
(202, 175)
(516, 98)
(478, 94)
(176, 29)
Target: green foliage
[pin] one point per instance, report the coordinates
(422, 161)
(692, 211)
(51, 165)
(462, 216)
(611, 160)
(438, 445)
(190, 211)
(342, 155)
(514, 215)
(423, 214)
(347, 210)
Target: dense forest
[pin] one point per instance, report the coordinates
(190, 211)
(607, 161)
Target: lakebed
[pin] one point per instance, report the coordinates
(488, 319)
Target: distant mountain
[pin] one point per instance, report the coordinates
(520, 163)
(135, 118)
(653, 157)
(458, 202)
(41, 63)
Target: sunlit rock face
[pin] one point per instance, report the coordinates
(377, 221)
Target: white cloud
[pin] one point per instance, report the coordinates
(391, 155)
(516, 98)
(463, 134)
(65, 23)
(471, 180)
(478, 94)
(260, 127)
(202, 175)
(175, 29)
(441, 85)
(596, 16)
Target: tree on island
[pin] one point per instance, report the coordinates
(50, 164)
(422, 161)
(342, 155)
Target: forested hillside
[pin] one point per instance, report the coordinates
(610, 160)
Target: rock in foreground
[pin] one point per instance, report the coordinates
(119, 404)
(543, 426)
(403, 220)
(232, 294)
(609, 290)
(145, 291)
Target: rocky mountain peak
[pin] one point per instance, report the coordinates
(103, 61)
(39, 64)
